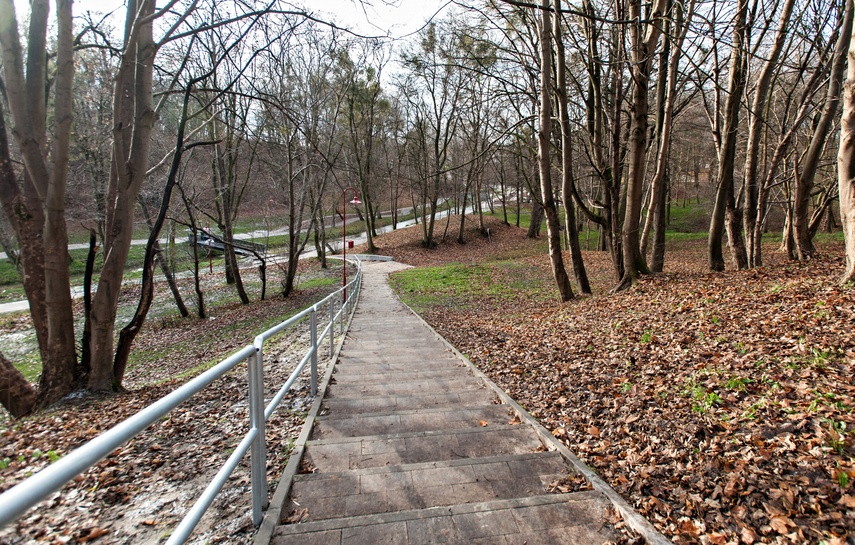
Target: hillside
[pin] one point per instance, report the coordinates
(720, 404)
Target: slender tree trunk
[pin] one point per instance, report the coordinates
(846, 161)
(810, 163)
(756, 125)
(571, 227)
(164, 265)
(86, 336)
(724, 209)
(644, 40)
(553, 223)
(152, 249)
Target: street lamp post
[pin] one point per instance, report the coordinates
(344, 238)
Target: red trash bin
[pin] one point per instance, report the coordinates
(349, 244)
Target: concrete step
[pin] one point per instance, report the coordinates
(555, 519)
(347, 368)
(343, 425)
(374, 353)
(396, 374)
(341, 454)
(383, 404)
(419, 486)
(440, 386)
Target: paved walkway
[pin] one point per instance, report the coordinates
(411, 445)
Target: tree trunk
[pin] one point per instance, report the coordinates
(755, 130)
(846, 161)
(134, 117)
(644, 42)
(553, 223)
(571, 227)
(36, 210)
(17, 395)
(724, 200)
(805, 179)
(152, 249)
(164, 265)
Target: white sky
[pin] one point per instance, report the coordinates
(369, 17)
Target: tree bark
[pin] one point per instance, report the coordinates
(152, 249)
(756, 124)
(846, 161)
(571, 227)
(805, 179)
(724, 199)
(17, 395)
(644, 39)
(553, 223)
(134, 117)
(36, 209)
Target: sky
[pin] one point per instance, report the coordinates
(369, 17)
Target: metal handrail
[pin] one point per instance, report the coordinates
(25, 495)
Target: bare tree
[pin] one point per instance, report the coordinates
(643, 40)
(544, 155)
(807, 168)
(724, 211)
(570, 224)
(34, 200)
(846, 159)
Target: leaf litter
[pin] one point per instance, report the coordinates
(141, 491)
(720, 405)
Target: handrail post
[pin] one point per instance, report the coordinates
(332, 326)
(313, 335)
(341, 318)
(258, 454)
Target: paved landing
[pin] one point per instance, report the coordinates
(411, 446)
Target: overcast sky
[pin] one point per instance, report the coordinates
(369, 17)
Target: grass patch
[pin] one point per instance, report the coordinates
(693, 218)
(8, 273)
(428, 287)
(318, 283)
(458, 285)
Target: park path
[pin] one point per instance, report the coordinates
(411, 445)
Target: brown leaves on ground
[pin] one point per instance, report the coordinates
(140, 491)
(721, 405)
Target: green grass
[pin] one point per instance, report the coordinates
(427, 287)
(30, 366)
(457, 284)
(318, 283)
(694, 218)
(8, 273)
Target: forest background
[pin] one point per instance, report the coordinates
(598, 120)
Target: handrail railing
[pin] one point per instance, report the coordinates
(25, 495)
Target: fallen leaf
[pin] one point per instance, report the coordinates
(483, 423)
(747, 535)
(688, 527)
(781, 524)
(93, 534)
(717, 539)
